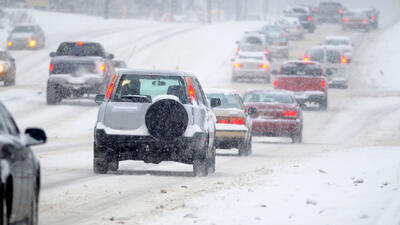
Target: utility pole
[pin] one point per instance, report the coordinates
(106, 8)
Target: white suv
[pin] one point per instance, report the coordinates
(155, 116)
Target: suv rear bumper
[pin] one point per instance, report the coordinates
(151, 150)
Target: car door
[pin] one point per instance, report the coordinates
(21, 162)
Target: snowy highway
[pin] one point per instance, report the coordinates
(346, 171)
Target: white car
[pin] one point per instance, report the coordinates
(251, 65)
(292, 26)
(341, 42)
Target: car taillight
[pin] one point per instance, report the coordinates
(290, 113)
(103, 68)
(323, 83)
(306, 58)
(51, 67)
(284, 34)
(79, 43)
(238, 50)
(2, 68)
(344, 59)
(32, 43)
(192, 94)
(263, 66)
(111, 87)
(237, 65)
(276, 83)
(346, 20)
(266, 51)
(309, 18)
(373, 18)
(9, 43)
(340, 11)
(298, 27)
(364, 20)
(230, 120)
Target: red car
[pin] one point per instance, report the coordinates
(306, 80)
(277, 114)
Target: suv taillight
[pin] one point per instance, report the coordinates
(323, 83)
(51, 67)
(192, 94)
(111, 87)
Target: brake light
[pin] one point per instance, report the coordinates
(346, 20)
(192, 94)
(298, 27)
(364, 21)
(238, 50)
(306, 58)
(344, 60)
(290, 113)
(237, 65)
(373, 18)
(309, 18)
(2, 68)
(111, 87)
(340, 11)
(266, 51)
(103, 67)
(9, 43)
(263, 66)
(284, 34)
(79, 43)
(323, 83)
(276, 83)
(230, 120)
(51, 67)
(32, 43)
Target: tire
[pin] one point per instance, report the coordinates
(243, 149)
(33, 217)
(297, 138)
(53, 95)
(323, 105)
(3, 210)
(200, 167)
(234, 79)
(211, 162)
(250, 147)
(100, 164)
(9, 81)
(113, 165)
(268, 79)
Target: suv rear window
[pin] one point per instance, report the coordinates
(76, 49)
(149, 86)
(24, 29)
(301, 69)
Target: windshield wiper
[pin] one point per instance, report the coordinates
(136, 98)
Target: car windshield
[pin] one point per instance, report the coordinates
(227, 100)
(337, 42)
(150, 87)
(355, 15)
(252, 40)
(268, 97)
(80, 49)
(23, 29)
(301, 69)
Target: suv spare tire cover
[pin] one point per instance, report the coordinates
(166, 119)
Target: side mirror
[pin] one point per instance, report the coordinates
(110, 56)
(251, 111)
(99, 99)
(274, 72)
(52, 54)
(215, 102)
(35, 136)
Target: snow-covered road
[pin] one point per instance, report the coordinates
(346, 172)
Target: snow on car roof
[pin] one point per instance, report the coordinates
(252, 54)
(337, 38)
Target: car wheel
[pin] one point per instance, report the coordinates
(249, 147)
(234, 79)
(53, 94)
(323, 105)
(211, 161)
(243, 149)
(33, 217)
(200, 167)
(100, 164)
(267, 80)
(297, 138)
(3, 210)
(9, 81)
(113, 165)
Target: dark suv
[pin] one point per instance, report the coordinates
(305, 16)
(331, 12)
(155, 116)
(78, 68)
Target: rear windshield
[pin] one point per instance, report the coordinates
(355, 14)
(330, 5)
(252, 40)
(75, 49)
(337, 42)
(145, 86)
(251, 57)
(227, 100)
(24, 29)
(301, 69)
(266, 97)
(299, 10)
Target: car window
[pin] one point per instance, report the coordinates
(150, 86)
(251, 57)
(227, 100)
(24, 29)
(9, 123)
(268, 97)
(80, 49)
(253, 40)
(301, 69)
(337, 42)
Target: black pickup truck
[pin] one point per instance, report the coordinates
(76, 69)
